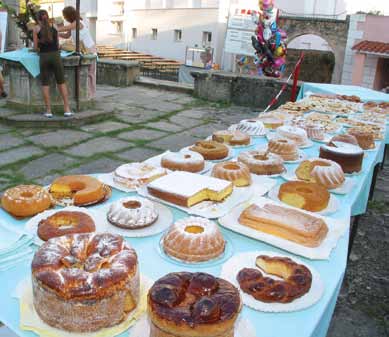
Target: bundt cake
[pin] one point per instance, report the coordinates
(236, 172)
(262, 162)
(193, 239)
(132, 213)
(322, 171)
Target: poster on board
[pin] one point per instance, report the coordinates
(3, 29)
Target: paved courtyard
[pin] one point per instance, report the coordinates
(145, 122)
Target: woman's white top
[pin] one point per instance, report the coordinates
(85, 36)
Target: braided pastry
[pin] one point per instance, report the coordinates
(296, 280)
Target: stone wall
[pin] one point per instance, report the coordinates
(335, 32)
(25, 91)
(245, 90)
(117, 72)
(317, 65)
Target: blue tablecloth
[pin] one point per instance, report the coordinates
(365, 94)
(312, 322)
(30, 60)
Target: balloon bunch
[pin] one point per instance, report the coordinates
(270, 41)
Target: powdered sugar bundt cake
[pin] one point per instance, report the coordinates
(262, 162)
(194, 239)
(314, 131)
(189, 161)
(236, 172)
(132, 213)
(322, 171)
(252, 127)
(285, 148)
(85, 282)
(298, 135)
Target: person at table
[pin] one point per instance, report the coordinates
(86, 41)
(50, 62)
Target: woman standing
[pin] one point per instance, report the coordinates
(86, 41)
(46, 42)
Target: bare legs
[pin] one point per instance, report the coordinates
(62, 88)
(46, 97)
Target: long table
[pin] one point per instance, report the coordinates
(312, 322)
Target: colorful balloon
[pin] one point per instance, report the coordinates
(270, 41)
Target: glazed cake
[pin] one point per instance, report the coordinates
(193, 305)
(188, 189)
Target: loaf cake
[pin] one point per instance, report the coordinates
(289, 224)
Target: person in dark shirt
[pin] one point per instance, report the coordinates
(46, 43)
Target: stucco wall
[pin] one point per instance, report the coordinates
(166, 21)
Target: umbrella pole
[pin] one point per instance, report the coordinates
(77, 93)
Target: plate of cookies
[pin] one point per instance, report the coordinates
(273, 282)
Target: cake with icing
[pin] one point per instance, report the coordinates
(194, 239)
(348, 156)
(189, 161)
(322, 171)
(132, 213)
(85, 282)
(252, 127)
(295, 134)
(134, 175)
(236, 172)
(262, 162)
(188, 189)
